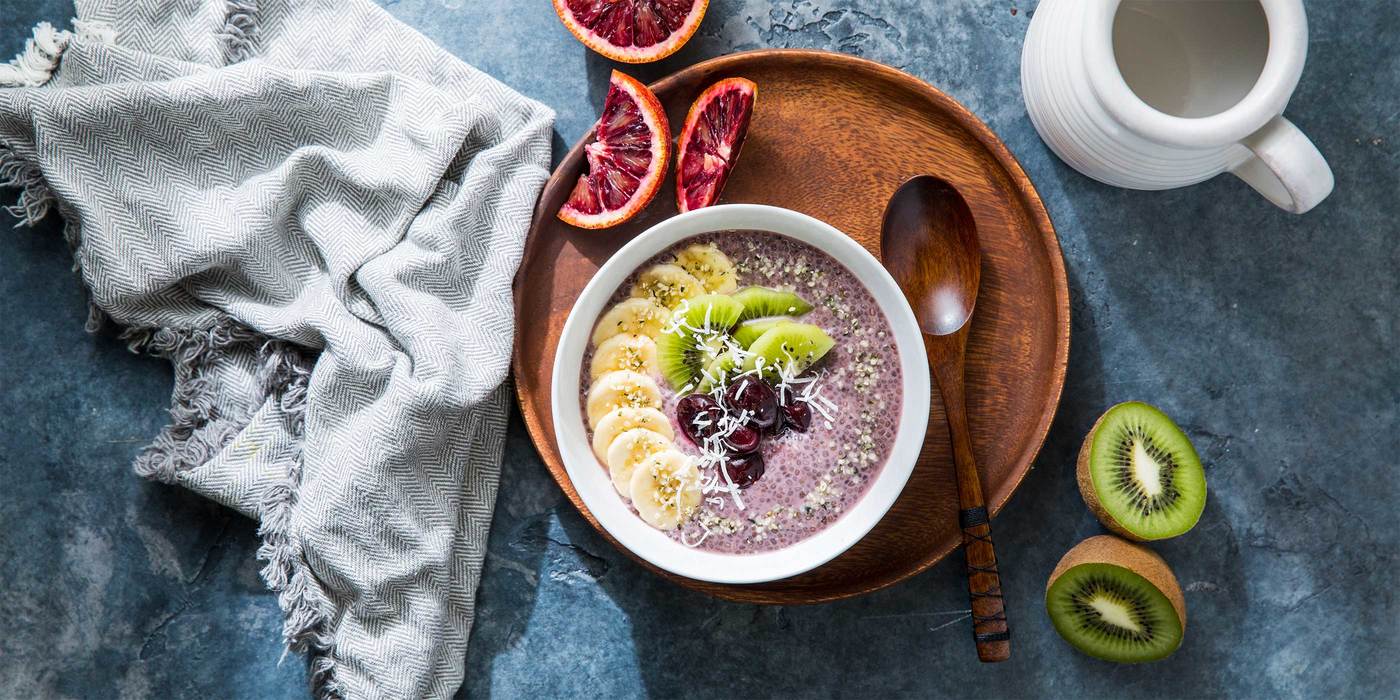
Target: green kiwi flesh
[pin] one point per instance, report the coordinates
(1111, 613)
(1140, 474)
(793, 347)
(764, 301)
(748, 331)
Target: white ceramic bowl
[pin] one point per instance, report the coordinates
(590, 477)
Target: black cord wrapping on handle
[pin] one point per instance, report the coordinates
(969, 518)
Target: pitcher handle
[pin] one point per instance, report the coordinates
(1286, 167)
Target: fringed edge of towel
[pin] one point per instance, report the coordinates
(197, 431)
(35, 66)
(35, 197)
(305, 629)
(240, 30)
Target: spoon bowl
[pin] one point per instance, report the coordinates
(930, 247)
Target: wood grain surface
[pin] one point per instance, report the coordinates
(833, 136)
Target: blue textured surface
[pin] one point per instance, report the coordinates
(1272, 338)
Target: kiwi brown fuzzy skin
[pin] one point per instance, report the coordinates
(1107, 549)
(1086, 485)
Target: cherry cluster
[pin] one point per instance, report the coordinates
(701, 418)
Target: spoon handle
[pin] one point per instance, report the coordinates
(989, 626)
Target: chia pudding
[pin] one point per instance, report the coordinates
(838, 406)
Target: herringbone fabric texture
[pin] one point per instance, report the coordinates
(315, 214)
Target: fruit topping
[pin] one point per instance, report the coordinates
(742, 440)
(626, 158)
(711, 266)
(788, 349)
(632, 316)
(621, 420)
(623, 388)
(667, 285)
(748, 331)
(797, 415)
(710, 141)
(762, 302)
(744, 470)
(665, 489)
(625, 351)
(632, 31)
(628, 450)
(698, 416)
(696, 336)
(754, 397)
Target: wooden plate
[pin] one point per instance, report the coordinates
(833, 136)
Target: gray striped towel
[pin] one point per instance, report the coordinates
(315, 214)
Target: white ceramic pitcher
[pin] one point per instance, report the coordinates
(1157, 94)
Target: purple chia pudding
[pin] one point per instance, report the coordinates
(810, 478)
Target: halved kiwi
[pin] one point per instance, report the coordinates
(1117, 601)
(1140, 475)
(698, 338)
(765, 301)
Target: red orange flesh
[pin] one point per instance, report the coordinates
(632, 31)
(627, 158)
(711, 139)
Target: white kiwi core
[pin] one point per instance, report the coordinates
(1146, 471)
(1114, 612)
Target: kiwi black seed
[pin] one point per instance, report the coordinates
(1117, 601)
(1139, 473)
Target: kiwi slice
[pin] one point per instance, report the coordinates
(765, 301)
(748, 331)
(795, 346)
(1140, 475)
(701, 327)
(1117, 601)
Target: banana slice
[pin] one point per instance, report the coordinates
(618, 389)
(665, 489)
(630, 449)
(633, 316)
(621, 420)
(626, 351)
(667, 285)
(711, 266)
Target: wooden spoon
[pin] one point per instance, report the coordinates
(930, 248)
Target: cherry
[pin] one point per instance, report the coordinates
(744, 470)
(755, 396)
(743, 440)
(702, 407)
(797, 415)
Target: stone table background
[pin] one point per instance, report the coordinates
(1270, 337)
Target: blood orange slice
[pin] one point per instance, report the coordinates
(626, 159)
(632, 31)
(714, 132)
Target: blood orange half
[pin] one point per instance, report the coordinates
(632, 31)
(627, 158)
(714, 132)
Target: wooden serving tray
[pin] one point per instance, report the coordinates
(833, 136)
